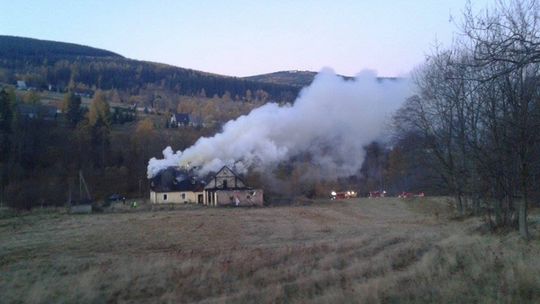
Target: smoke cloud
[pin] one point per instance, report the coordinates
(332, 120)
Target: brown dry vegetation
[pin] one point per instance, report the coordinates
(368, 251)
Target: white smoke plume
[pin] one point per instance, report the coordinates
(332, 119)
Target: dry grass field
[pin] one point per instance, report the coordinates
(357, 251)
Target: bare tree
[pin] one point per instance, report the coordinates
(478, 107)
(505, 42)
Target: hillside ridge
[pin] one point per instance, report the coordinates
(44, 63)
(15, 46)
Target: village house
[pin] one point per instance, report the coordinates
(225, 188)
(175, 186)
(180, 120)
(21, 85)
(48, 113)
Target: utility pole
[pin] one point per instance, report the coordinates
(82, 183)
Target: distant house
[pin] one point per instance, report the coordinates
(180, 120)
(49, 113)
(145, 110)
(54, 88)
(27, 111)
(21, 85)
(225, 188)
(85, 94)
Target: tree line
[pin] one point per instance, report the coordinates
(40, 158)
(477, 109)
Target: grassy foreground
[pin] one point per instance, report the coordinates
(367, 251)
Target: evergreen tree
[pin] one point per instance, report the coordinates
(71, 107)
(99, 119)
(6, 112)
(99, 111)
(6, 118)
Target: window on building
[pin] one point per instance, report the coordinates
(183, 195)
(225, 184)
(164, 197)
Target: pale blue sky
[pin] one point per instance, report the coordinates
(242, 38)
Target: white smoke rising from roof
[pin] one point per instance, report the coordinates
(170, 159)
(332, 119)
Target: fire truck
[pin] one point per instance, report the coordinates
(343, 195)
(375, 194)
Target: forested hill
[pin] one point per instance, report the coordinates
(14, 48)
(296, 78)
(62, 65)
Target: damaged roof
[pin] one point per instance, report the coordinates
(175, 180)
(182, 118)
(226, 179)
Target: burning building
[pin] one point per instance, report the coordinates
(332, 121)
(173, 185)
(224, 188)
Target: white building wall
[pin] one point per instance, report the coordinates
(174, 197)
